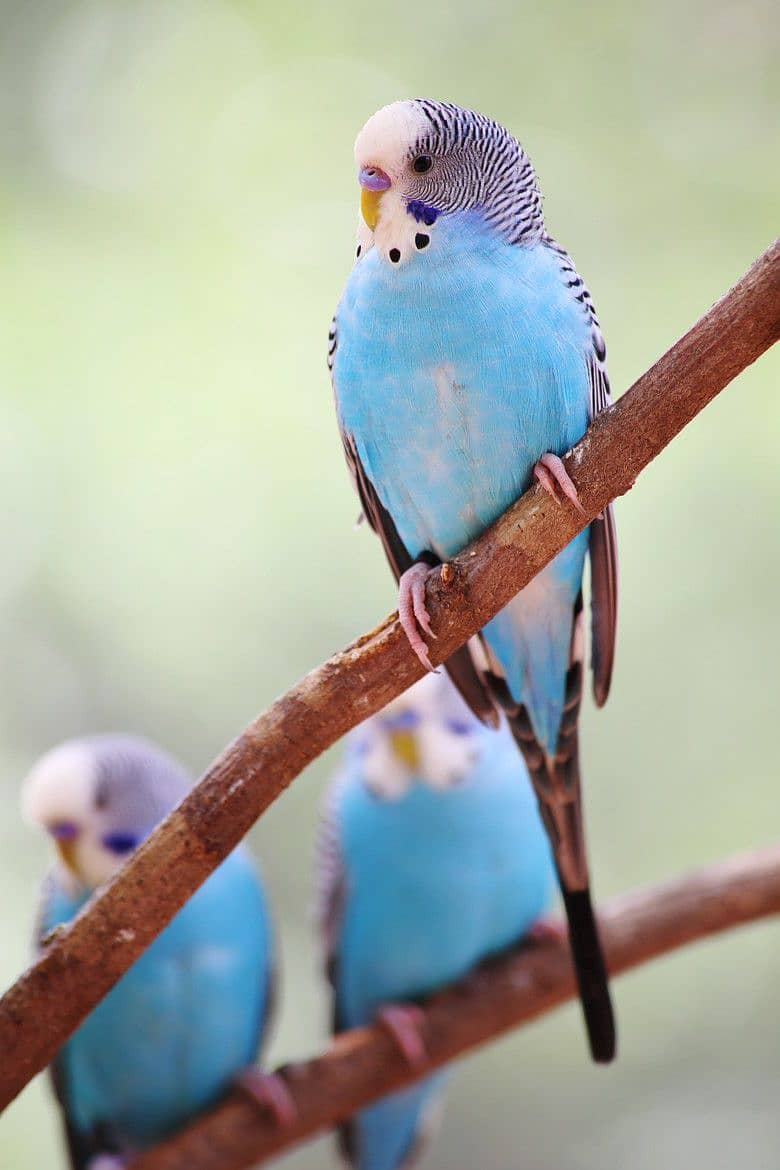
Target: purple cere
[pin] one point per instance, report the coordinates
(64, 830)
(422, 212)
(373, 179)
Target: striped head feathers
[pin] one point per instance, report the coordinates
(421, 160)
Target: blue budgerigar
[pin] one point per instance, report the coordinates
(466, 358)
(187, 1018)
(432, 857)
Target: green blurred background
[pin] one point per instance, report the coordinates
(178, 206)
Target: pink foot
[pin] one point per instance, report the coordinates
(547, 930)
(404, 1022)
(412, 612)
(551, 473)
(269, 1091)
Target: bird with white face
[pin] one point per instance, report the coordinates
(466, 359)
(186, 1020)
(431, 857)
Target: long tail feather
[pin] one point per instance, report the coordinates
(591, 973)
(556, 780)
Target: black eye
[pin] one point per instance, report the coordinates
(422, 163)
(119, 842)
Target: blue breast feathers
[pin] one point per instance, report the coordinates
(453, 374)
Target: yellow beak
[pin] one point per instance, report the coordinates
(369, 206)
(404, 746)
(67, 851)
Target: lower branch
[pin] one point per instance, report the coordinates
(364, 1064)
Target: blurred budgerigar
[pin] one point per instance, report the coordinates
(432, 856)
(466, 358)
(186, 1019)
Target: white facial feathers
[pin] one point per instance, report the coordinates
(441, 736)
(388, 137)
(98, 798)
(61, 786)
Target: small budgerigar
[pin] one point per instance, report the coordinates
(466, 359)
(186, 1020)
(432, 856)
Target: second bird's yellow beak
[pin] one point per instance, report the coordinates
(404, 745)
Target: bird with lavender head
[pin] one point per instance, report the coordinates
(432, 856)
(185, 1021)
(466, 359)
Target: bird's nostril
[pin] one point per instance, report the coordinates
(373, 178)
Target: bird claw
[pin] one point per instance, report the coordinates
(403, 1022)
(547, 930)
(413, 614)
(269, 1091)
(550, 472)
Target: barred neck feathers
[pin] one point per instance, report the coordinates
(490, 169)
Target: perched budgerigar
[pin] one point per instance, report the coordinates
(432, 856)
(186, 1020)
(466, 358)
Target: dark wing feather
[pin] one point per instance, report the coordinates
(375, 512)
(459, 666)
(603, 553)
(603, 539)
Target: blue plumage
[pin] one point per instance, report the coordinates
(431, 866)
(466, 359)
(166, 1040)
(190, 1013)
(452, 375)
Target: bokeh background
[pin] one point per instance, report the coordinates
(177, 208)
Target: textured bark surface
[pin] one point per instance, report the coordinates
(362, 1065)
(84, 959)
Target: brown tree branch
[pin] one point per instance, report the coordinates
(364, 1064)
(84, 959)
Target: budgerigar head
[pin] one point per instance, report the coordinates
(421, 160)
(98, 799)
(426, 734)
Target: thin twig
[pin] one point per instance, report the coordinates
(364, 1064)
(84, 959)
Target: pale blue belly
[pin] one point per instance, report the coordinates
(454, 375)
